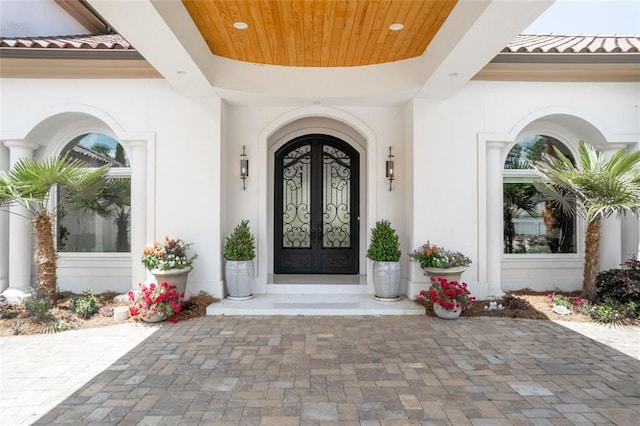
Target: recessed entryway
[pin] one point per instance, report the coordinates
(316, 206)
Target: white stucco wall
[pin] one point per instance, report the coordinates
(451, 136)
(193, 148)
(182, 138)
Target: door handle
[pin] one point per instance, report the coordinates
(313, 233)
(316, 233)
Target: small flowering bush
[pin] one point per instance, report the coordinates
(161, 299)
(448, 294)
(567, 302)
(431, 256)
(171, 254)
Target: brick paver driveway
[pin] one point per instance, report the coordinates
(392, 370)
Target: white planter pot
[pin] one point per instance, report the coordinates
(239, 279)
(153, 318)
(177, 277)
(446, 313)
(451, 274)
(386, 280)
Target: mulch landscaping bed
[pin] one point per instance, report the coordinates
(16, 321)
(520, 304)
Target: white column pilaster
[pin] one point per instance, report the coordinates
(4, 227)
(494, 218)
(610, 229)
(138, 209)
(20, 241)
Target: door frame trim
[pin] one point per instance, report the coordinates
(333, 122)
(319, 140)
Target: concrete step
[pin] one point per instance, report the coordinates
(317, 289)
(315, 304)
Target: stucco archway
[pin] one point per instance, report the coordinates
(50, 133)
(568, 126)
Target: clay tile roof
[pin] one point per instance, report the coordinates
(92, 42)
(554, 43)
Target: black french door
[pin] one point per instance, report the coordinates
(316, 207)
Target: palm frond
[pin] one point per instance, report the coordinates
(29, 182)
(560, 197)
(601, 187)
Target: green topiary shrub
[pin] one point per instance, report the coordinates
(384, 245)
(86, 305)
(620, 285)
(240, 245)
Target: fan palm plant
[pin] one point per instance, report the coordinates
(114, 201)
(598, 189)
(29, 184)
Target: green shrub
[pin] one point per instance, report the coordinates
(39, 307)
(16, 327)
(64, 323)
(86, 305)
(384, 245)
(620, 285)
(240, 245)
(612, 312)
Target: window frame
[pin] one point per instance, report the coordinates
(531, 176)
(113, 172)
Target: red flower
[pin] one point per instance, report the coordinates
(162, 299)
(447, 305)
(448, 294)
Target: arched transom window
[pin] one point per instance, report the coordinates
(103, 226)
(532, 223)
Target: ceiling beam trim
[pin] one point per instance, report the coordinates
(142, 25)
(470, 38)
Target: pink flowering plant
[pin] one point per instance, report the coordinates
(566, 301)
(161, 299)
(448, 294)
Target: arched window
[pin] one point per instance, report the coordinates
(104, 225)
(532, 223)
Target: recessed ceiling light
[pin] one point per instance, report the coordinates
(396, 27)
(240, 25)
(181, 72)
(453, 74)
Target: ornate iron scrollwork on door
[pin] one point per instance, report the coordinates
(316, 201)
(336, 214)
(296, 200)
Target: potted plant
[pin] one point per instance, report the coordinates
(449, 298)
(384, 250)
(169, 262)
(439, 262)
(156, 302)
(239, 251)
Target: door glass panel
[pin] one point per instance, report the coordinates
(336, 210)
(296, 198)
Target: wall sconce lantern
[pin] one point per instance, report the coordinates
(244, 168)
(390, 170)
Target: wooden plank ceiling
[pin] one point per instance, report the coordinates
(318, 33)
